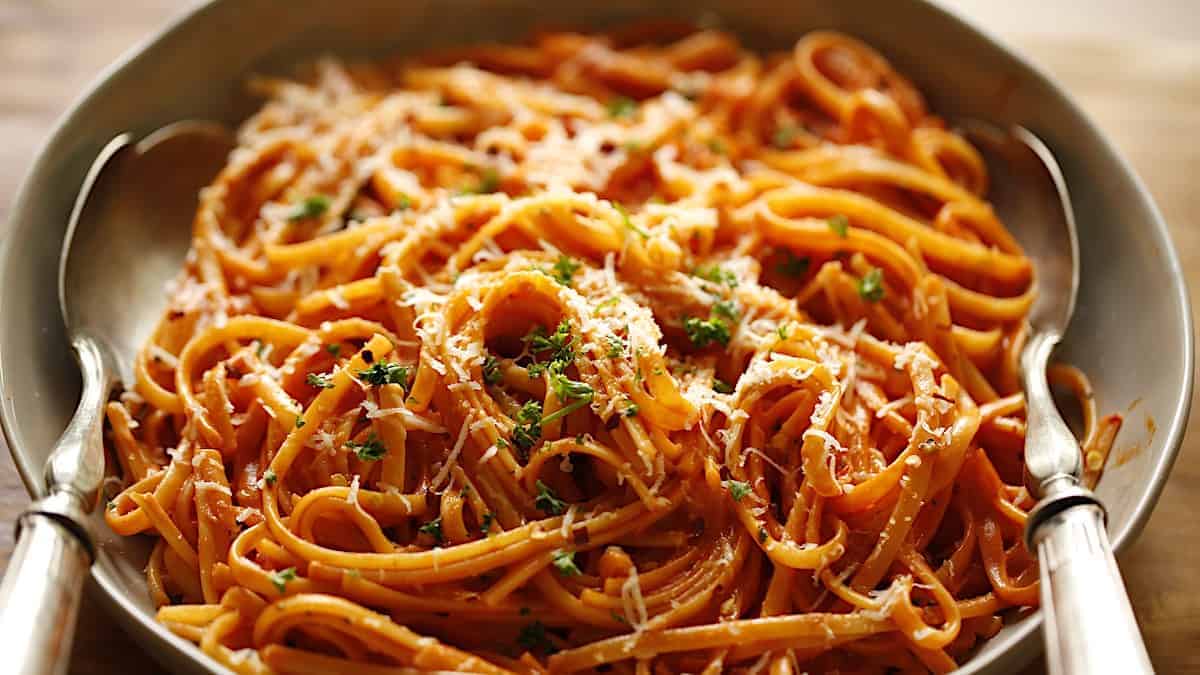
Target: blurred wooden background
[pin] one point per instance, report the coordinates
(1134, 66)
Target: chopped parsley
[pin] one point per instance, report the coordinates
(570, 390)
(528, 429)
(621, 107)
(782, 331)
(726, 309)
(564, 562)
(840, 225)
(762, 534)
(319, 380)
(485, 526)
(383, 372)
(548, 502)
(370, 450)
(270, 477)
(870, 287)
(793, 265)
(737, 489)
(716, 274)
(703, 332)
(564, 269)
(491, 370)
(627, 222)
(784, 136)
(616, 347)
(631, 410)
(533, 638)
(558, 346)
(404, 203)
(489, 182)
(281, 578)
(309, 207)
(607, 303)
(300, 422)
(433, 528)
(334, 349)
(721, 386)
(260, 348)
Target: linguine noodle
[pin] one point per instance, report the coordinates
(631, 353)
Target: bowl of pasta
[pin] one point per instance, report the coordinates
(594, 337)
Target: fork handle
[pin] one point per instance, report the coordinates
(1090, 627)
(39, 597)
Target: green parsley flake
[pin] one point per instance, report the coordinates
(628, 223)
(383, 372)
(616, 347)
(404, 203)
(570, 390)
(785, 136)
(737, 489)
(269, 477)
(334, 349)
(491, 370)
(300, 422)
(716, 274)
(793, 266)
(548, 502)
(726, 309)
(528, 429)
(621, 107)
(840, 225)
(369, 451)
(319, 380)
(721, 386)
(533, 638)
(703, 332)
(564, 269)
(433, 528)
(485, 526)
(489, 183)
(564, 562)
(870, 287)
(310, 207)
(607, 303)
(631, 410)
(557, 344)
(281, 578)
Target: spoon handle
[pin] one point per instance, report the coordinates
(39, 597)
(1090, 627)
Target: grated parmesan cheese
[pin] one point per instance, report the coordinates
(633, 603)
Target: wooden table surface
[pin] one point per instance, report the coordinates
(1135, 67)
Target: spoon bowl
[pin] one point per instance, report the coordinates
(1089, 626)
(127, 235)
(119, 251)
(1028, 191)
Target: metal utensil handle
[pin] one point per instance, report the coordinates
(39, 597)
(1090, 626)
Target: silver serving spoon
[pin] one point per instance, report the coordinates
(128, 234)
(1089, 624)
